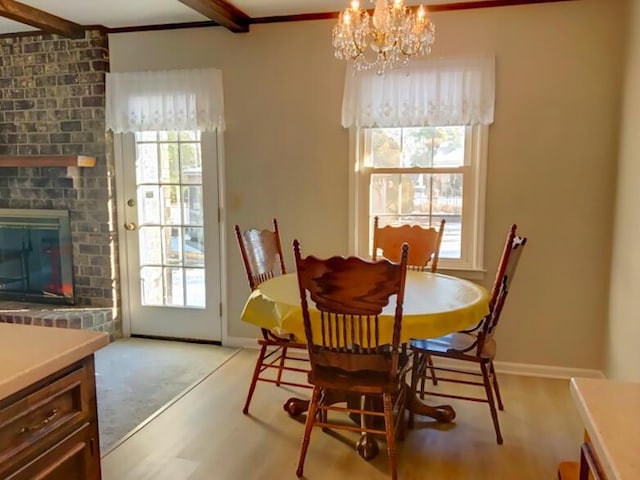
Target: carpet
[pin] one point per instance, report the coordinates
(136, 377)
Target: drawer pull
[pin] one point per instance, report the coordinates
(40, 425)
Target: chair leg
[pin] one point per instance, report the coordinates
(426, 361)
(283, 354)
(496, 388)
(254, 379)
(414, 385)
(308, 426)
(421, 373)
(492, 405)
(402, 406)
(434, 379)
(390, 431)
(324, 414)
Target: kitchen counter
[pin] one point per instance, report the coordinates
(30, 353)
(609, 410)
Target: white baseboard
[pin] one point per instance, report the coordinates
(533, 370)
(526, 369)
(240, 342)
(546, 371)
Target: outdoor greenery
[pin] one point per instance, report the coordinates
(427, 192)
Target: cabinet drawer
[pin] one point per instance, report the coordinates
(46, 414)
(74, 458)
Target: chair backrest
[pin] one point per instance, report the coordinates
(513, 247)
(349, 294)
(261, 252)
(424, 244)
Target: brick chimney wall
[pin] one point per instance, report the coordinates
(52, 99)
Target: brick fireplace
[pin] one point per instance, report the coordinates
(52, 98)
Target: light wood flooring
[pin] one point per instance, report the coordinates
(205, 436)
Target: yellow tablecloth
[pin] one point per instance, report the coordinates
(434, 305)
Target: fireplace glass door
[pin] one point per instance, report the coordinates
(36, 256)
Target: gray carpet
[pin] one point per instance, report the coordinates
(136, 377)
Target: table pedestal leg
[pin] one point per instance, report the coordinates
(367, 446)
(440, 413)
(295, 406)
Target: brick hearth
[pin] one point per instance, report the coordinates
(96, 319)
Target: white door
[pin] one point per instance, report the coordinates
(170, 242)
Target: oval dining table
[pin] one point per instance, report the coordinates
(434, 305)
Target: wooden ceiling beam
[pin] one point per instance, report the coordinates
(40, 19)
(221, 12)
(470, 5)
(440, 7)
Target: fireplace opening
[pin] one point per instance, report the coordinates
(36, 256)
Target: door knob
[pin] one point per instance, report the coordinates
(130, 226)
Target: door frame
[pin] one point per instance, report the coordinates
(122, 296)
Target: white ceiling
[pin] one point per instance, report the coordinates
(127, 13)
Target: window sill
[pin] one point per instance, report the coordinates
(467, 274)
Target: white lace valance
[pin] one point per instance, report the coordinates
(431, 92)
(165, 100)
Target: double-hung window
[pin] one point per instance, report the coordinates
(418, 176)
(419, 143)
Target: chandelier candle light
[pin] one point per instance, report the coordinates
(394, 33)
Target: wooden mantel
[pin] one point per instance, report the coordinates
(48, 161)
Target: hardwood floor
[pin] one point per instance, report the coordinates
(205, 436)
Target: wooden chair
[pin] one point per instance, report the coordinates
(345, 351)
(424, 244)
(262, 257)
(475, 346)
(424, 247)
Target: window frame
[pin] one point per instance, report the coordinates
(474, 187)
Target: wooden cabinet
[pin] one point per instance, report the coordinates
(612, 433)
(49, 430)
(588, 468)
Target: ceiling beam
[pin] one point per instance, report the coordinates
(40, 19)
(470, 5)
(221, 12)
(440, 7)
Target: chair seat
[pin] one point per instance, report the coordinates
(362, 382)
(280, 333)
(462, 343)
(290, 343)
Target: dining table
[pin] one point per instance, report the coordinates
(434, 305)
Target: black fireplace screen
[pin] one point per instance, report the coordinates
(36, 256)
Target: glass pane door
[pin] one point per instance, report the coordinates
(172, 240)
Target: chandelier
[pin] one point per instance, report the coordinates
(388, 38)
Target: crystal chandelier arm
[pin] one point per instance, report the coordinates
(359, 50)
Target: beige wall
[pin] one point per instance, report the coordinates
(622, 352)
(552, 151)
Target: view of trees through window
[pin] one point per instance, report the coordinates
(416, 178)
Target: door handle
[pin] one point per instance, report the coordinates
(130, 226)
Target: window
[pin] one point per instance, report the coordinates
(419, 175)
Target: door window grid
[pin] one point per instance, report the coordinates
(170, 213)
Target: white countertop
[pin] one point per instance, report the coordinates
(609, 410)
(29, 353)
